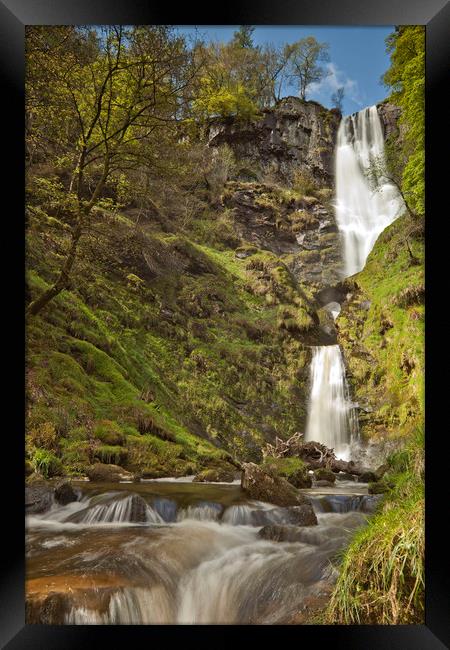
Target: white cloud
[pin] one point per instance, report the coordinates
(336, 79)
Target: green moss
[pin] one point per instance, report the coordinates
(111, 454)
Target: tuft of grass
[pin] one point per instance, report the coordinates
(381, 577)
(46, 463)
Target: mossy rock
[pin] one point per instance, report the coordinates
(292, 469)
(99, 472)
(215, 476)
(324, 474)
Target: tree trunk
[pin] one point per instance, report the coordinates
(61, 283)
(63, 280)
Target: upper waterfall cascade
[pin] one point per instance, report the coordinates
(363, 210)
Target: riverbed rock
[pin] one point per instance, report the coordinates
(215, 476)
(303, 515)
(324, 474)
(262, 486)
(99, 472)
(65, 492)
(367, 477)
(280, 533)
(38, 498)
(324, 483)
(138, 512)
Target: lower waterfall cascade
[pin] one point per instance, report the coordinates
(331, 415)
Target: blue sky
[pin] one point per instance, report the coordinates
(358, 58)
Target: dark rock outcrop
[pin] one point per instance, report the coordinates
(38, 498)
(304, 230)
(389, 116)
(292, 134)
(138, 512)
(282, 533)
(65, 493)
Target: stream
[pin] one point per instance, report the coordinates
(194, 555)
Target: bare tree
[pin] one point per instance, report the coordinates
(120, 85)
(304, 57)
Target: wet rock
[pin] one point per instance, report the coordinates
(262, 486)
(138, 512)
(344, 476)
(303, 515)
(38, 498)
(325, 474)
(324, 483)
(108, 473)
(65, 493)
(280, 533)
(215, 476)
(370, 503)
(367, 477)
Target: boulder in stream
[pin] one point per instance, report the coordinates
(138, 512)
(262, 486)
(219, 475)
(101, 472)
(38, 498)
(65, 492)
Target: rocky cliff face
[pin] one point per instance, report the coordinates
(301, 230)
(293, 136)
(389, 116)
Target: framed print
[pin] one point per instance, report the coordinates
(227, 422)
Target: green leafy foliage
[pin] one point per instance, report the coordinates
(406, 78)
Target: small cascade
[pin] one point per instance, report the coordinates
(331, 415)
(363, 209)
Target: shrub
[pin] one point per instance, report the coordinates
(43, 436)
(47, 463)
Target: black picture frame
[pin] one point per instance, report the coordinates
(14, 15)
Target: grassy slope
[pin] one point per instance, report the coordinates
(166, 339)
(381, 578)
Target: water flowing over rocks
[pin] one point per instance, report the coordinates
(99, 561)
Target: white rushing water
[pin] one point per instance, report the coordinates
(363, 211)
(204, 562)
(331, 416)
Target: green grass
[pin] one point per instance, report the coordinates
(381, 577)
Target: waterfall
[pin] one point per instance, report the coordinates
(363, 211)
(331, 416)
